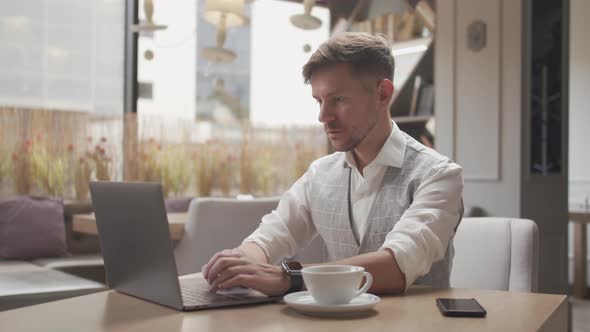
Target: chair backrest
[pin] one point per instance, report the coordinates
(496, 253)
(215, 224)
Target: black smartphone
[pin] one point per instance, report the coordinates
(460, 307)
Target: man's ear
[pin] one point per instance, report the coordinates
(385, 92)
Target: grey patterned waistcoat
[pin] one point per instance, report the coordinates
(329, 200)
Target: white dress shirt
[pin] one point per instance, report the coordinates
(417, 240)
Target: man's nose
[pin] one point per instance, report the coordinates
(326, 114)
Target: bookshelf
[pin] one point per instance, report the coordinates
(417, 127)
(415, 119)
(413, 100)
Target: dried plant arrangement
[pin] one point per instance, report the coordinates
(22, 180)
(48, 167)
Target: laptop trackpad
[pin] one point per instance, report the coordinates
(239, 292)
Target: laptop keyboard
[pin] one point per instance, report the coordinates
(195, 291)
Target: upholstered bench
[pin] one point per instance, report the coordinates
(33, 226)
(23, 284)
(88, 266)
(41, 258)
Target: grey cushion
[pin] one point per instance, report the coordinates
(31, 227)
(178, 204)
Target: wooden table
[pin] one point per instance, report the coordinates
(414, 311)
(86, 223)
(580, 219)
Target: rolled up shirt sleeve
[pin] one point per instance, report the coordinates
(285, 230)
(422, 234)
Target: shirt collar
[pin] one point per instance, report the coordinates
(392, 153)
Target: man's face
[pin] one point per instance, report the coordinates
(348, 108)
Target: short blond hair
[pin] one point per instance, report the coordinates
(365, 53)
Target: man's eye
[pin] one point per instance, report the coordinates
(338, 99)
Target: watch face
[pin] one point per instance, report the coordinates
(293, 266)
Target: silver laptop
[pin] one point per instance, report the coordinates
(138, 253)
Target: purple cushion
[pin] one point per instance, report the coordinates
(31, 227)
(178, 204)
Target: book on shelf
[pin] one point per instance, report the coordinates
(425, 106)
(415, 95)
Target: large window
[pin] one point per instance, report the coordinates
(62, 54)
(262, 85)
(166, 60)
(279, 50)
(202, 127)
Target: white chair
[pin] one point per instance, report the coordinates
(496, 253)
(215, 224)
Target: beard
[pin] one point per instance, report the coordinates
(352, 143)
(357, 134)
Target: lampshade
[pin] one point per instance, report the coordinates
(218, 54)
(306, 21)
(148, 25)
(230, 10)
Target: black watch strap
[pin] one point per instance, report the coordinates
(294, 274)
(296, 283)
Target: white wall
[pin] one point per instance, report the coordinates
(478, 118)
(579, 125)
(579, 134)
(482, 121)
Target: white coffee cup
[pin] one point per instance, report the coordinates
(335, 284)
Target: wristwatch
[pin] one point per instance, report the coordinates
(293, 269)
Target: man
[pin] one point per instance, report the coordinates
(382, 201)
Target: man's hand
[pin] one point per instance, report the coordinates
(232, 267)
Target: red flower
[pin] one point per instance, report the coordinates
(14, 156)
(28, 142)
(70, 147)
(159, 147)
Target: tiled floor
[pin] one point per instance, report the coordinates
(580, 315)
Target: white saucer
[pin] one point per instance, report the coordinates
(304, 303)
